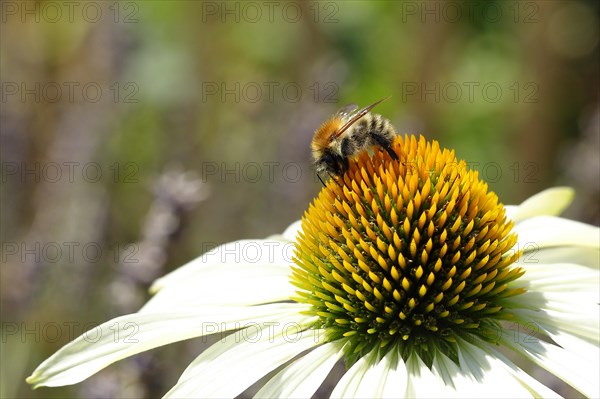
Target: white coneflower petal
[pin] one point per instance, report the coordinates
(372, 378)
(384, 378)
(292, 231)
(231, 284)
(564, 364)
(493, 377)
(567, 294)
(447, 371)
(422, 382)
(565, 254)
(552, 276)
(131, 334)
(250, 253)
(552, 201)
(579, 323)
(302, 378)
(587, 352)
(245, 358)
(536, 388)
(350, 383)
(551, 231)
(461, 384)
(395, 374)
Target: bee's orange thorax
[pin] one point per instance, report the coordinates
(325, 133)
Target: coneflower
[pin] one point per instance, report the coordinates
(409, 269)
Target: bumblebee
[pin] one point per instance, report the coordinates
(346, 134)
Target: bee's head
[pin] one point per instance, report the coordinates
(328, 163)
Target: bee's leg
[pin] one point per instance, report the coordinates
(385, 143)
(338, 169)
(348, 150)
(341, 161)
(335, 179)
(345, 164)
(321, 180)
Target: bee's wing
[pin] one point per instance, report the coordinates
(347, 110)
(356, 115)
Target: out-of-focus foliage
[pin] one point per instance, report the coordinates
(137, 135)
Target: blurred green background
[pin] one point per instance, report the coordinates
(137, 135)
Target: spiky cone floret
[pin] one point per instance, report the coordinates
(407, 254)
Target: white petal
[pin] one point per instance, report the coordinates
(396, 383)
(422, 383)
(245, 252)
(228, 368)
(446, 371)
(562, 363)
(350, 383)
(373, 378)
(385, 378)
(302, 377)
(232, 284)
(587, 353)
(559, 313)
(536, 388)
(511, 210)
(478, 376)
(550, 202)
(459, 379)
(292, 231)
(589, 257)
(548, 321)
(131, 334)
(458, 382)
(559, 297)
(560, 277)
(494, 375)
(550, 231)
